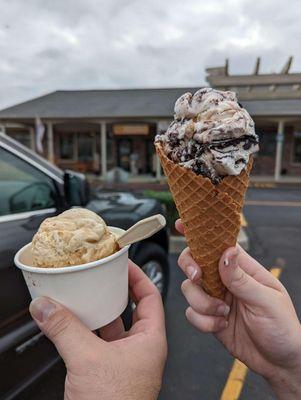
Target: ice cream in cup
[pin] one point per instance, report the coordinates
(74, 259)
(80, 262)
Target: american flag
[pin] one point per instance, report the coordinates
(40, 130)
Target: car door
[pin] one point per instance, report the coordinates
(27, 196)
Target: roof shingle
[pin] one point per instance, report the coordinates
(129, 103)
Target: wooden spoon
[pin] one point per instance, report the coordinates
(142, 230)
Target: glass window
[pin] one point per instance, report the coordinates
(85, 146)
(267, 142)
(22, 137)
(67, 146)
(124, 150)
(297, 147)
(110, 153)
(23, 187)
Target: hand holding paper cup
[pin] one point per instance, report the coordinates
(78, 261)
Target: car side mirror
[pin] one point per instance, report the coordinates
(77, 189)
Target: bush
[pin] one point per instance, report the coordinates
(166, 199)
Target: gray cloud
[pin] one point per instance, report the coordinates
(51, 45)
(51, 54)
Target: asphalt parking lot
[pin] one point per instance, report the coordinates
(198, 367)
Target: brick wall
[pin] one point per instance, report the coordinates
(263, 165)
(264, 160)
(289, 167)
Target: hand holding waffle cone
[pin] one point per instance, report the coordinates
(206, 157)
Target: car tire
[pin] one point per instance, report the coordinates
(153, 260)
(147, 253)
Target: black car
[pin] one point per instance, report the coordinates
(32, 189)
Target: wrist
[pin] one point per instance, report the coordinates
(286, 379)
(286, 384)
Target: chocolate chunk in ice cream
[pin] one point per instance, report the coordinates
(211, 134)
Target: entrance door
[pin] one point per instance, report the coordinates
(124, 150)
(149, 155)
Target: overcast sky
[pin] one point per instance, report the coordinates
(84, 44)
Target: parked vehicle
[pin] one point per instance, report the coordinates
(32, 189)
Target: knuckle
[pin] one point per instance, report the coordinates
(58, 323)
(196, 321)
(155, 291)
(216, 325)
(180, 260)
(239, 280)
(184, 286)
(196, 298)
(212, 325)
(197, 302)
(207, 325)
(208, 306)
(204, 323)
(188, 313)
(183, 258)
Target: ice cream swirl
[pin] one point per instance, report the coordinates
(211, 133)
(75, 237)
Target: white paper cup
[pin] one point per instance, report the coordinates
(96, 292)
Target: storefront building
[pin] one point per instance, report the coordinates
(274, 102)
(97, 130)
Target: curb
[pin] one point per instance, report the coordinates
(178, 243)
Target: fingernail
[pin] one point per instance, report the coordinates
(41, 308)
(231, 261)
(191, 272)
(223, 310)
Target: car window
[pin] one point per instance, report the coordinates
(22, 187)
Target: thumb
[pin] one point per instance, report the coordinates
(70, 336)
(239, 283)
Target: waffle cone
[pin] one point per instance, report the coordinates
(210, 215)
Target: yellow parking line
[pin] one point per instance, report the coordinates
(243, 221)
(264, 185)
(276, 272)
(237, 376)
(273, 203)
(235, 381)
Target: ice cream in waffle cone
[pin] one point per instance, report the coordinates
(208, 175)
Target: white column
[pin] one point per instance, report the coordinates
(32, 141)
(2, 129)
(103, 149)
(96, 158)
(158, 169)
(279, 150)
(50, 142)
(161, 126)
